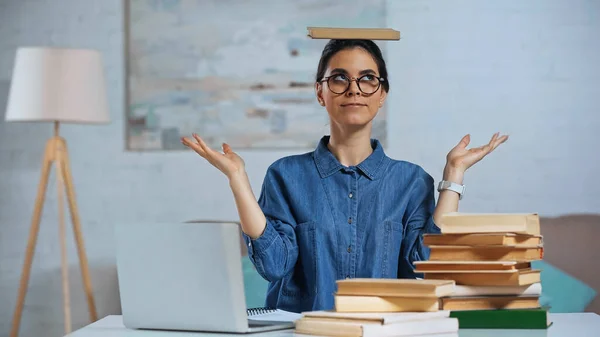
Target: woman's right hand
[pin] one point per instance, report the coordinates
(251, 216)
(227, 162)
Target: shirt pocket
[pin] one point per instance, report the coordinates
(302, 279)
(392, 242)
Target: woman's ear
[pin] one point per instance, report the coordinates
(319, 93)
(382, 98)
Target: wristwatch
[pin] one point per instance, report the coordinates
(448, 185)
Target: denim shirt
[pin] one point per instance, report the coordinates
(327, 222)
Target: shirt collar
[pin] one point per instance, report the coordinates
(327, 163)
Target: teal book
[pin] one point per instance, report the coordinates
(503, 319)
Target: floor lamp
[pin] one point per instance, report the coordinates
(57, 85)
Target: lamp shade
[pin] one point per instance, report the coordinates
(57, 84)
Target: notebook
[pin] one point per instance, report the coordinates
(272, 315)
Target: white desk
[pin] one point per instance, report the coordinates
(565, 325)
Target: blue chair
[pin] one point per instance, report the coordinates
(561, 291)
(255, 285)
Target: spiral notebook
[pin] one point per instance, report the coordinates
(272, 315)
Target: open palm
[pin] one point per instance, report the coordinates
(227, 162)
(462, 158)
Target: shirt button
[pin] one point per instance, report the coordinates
(350, 195)
(349, 249)
(350, 220)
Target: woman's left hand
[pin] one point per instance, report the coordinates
(460, 158)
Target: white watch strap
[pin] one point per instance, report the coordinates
(448, 185)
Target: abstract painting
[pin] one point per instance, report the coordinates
(240, 72)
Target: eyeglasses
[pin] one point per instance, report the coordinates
(340, 83)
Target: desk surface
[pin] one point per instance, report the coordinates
(569, 325)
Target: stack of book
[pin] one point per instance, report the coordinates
(489, 257)
(384, 307)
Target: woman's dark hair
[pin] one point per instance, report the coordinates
(334, 46)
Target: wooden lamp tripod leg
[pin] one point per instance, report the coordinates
(33, 234)
(56, 151)
(83, 262)
(64, 264)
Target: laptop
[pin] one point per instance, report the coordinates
(186, 277)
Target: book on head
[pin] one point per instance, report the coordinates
(353, 33)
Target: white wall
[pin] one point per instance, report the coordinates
(529, 69)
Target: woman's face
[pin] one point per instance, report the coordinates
(353, 107)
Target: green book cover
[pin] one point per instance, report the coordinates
(502, 319)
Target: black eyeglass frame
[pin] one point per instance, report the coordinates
(350, 80)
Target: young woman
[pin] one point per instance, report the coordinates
(344, 210)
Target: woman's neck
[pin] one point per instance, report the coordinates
(350, 147)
